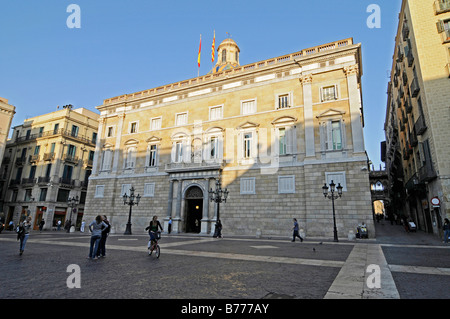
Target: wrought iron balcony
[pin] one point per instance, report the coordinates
(427, 173)
(420, 127)
(415, 88)
(410, 57)
(442, 6)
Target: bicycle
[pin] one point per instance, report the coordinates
(151, 247)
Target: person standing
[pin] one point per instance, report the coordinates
(296, 234)
(170, 225)
(446, 228)
(83, 224)
(23, 234)
(105, 232)
(41, 224)
(96, 227)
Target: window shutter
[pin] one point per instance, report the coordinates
(254, 150)
(323, 137)
(343, 135)
(173, 152)
(240, 146)
(220, 147)
(329, 136)
(187, 151)
(289, 139)
(440, 26)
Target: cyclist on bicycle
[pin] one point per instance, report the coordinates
(152, 229)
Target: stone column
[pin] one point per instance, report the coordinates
(355, 107)
(205, 209)
(176, 221)
(308, 114)
(101, 124)
(169, 208)
(118, 139)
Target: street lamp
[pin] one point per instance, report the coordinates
(333, 196)
(72, 203)
(218, 196)
(130, 200)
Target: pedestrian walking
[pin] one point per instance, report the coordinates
(23, 234)
(105, 233)
(218, 230)
(58, 224)
(96, 228)
(83, 224)
(296, 234)
(41, 224)
(446, 229)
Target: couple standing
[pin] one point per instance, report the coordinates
(99, 228)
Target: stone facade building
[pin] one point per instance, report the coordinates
(273, 132)
(49, 159)
(417, 115)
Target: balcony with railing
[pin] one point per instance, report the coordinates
(427, 173)
(442, 6)
(194, 166)
(70, 159)
(415, 88)
(33, 158)
(27, 182)
(49, 156)
(67, 182)
(420, 127)
(44, 180)
(410, 57)
(20, 161)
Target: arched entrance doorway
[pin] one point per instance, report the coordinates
(194, 209)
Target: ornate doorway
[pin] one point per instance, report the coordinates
(194, 209)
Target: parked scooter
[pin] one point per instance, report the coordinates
(362, 232)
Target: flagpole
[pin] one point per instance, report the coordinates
(199, 52)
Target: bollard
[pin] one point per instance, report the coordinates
(351, 235)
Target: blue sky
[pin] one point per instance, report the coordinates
(129, 46)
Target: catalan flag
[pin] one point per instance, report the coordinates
(213, 48)
(199, 50)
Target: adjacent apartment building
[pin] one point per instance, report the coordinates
(418, 115)
(49, 159)
(272, 132)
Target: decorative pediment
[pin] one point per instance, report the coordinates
(284, 120)
(153, 139)
(108, 145)
(131, 142)
(214, 129)
(331, 113)
(247, 125)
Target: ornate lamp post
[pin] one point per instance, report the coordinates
(72, 203)
(333, 196)
(130, 200)
(218, 196)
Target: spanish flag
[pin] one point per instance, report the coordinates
(199, 50)
(213, 51)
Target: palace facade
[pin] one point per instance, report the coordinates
(273, 132)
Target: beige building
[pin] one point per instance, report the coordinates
(7, 112)
(273, 132)
(418, 114)
(49, 159)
